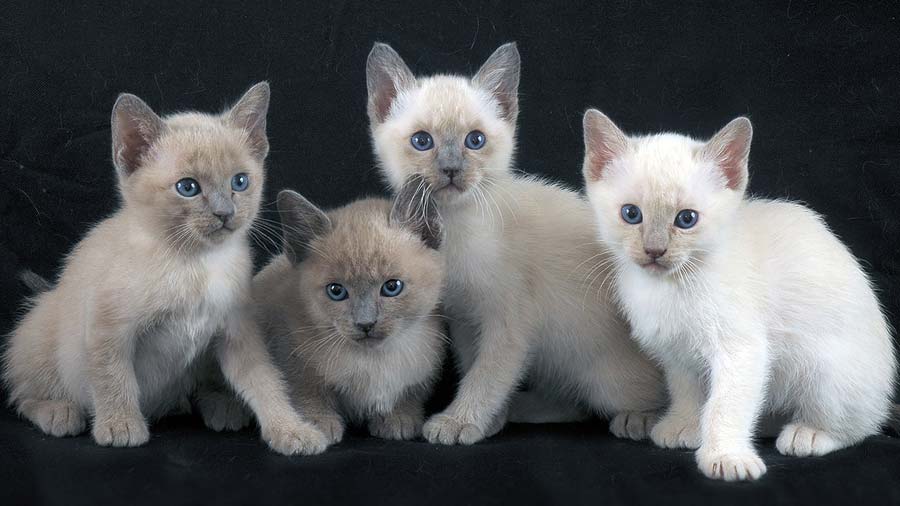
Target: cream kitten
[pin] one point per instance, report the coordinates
(525, 291)
(750, 305)
(350, 311)
(145, 292)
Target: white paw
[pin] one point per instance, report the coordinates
(632, 424)
(676, 432)
(57, 418)
(295, 438)
(804, 441)
(121, 430)
(222, 411)
(742, 465)
(330, 425)
(448, 430)
(396, 426)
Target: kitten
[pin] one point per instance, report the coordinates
(350, 309)
(526, 291)
(750, 305)
(142, 296)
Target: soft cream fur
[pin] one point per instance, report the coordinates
(526, 294)
(757, 308)
(338, 374)
(149, 289)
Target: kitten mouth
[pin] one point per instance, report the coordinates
(370, 339)
(654, 266)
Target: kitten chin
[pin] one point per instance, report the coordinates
(350, 309)
(761, 307)
(142, 296)
(527, 286)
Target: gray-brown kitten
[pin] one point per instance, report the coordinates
(351, 311)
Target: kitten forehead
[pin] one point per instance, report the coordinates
(204, 145)
(369, 249)
(446, 102)
(666, 166)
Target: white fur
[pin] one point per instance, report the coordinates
(760, 307)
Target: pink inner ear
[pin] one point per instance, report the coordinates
(384, 97)
(604, 143)
(731, 163)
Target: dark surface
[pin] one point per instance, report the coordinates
(820, 83)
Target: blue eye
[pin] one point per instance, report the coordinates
(422, 141)
(392, 288)
(336, 292)
(632, 214)
(475, 140)
(686, 218)
(240, 182)
(187, 187)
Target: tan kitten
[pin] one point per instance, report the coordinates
(527, 286)
(350, 309)
(145, 292)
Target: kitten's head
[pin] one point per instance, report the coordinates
(194, 178)
(368, 270)
(663, 200)
(452, 130)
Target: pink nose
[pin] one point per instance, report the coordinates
(654, 253)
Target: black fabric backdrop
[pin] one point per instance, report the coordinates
(820, 83)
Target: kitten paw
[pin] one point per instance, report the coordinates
(744, 465)
(221, 411)
(676, 432)
(121, 430)
(295, 438)
(801, 440)
(448, 430)
(57, 418)
(632, 424)
(396, 426)
(330, 425)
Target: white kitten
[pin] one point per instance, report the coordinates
(525, 278)
(750, 305)
(151, 288)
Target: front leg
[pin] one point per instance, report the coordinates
(318, 405)
(486, 387)
(117, 412)
(680, 426)
(404, 421)
(219, 406)
(247, 366)
(737, 389)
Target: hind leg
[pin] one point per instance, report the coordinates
(55, 417)
(802, 440)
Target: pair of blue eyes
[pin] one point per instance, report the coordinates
(423, 141)
(390, 288)
(686, 218)
(189, 187)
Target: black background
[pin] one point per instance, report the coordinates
(819, 82)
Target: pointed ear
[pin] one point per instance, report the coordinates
(135, 127)
(729, 149)
(415, 210)
(603, 143)
(249, 114)
(500, 76)
(301, 222)
(386, 76)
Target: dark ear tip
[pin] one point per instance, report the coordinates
(262, 87)
(287, 198)
(126, 100)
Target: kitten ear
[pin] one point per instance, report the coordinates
(386, 76)
(415, 210)
(301, 222)
(249, 114)
(729, 149)
(135, 127)
(603, 143)
(500, 76)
